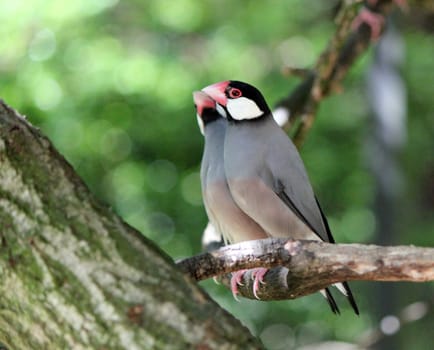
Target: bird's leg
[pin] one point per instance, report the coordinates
(374, 20)
(258, 274)
(236, 280)
(258, 277)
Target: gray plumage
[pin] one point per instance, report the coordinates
(227, 218)
(268, 181)
(265, 174)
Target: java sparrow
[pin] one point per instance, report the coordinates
(265, 174)
(224, 214)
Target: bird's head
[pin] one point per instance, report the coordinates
(240, 101)
(205, 109)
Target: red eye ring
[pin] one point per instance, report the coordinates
(235, 93)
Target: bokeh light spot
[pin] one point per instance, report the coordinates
(191, 190)
(182, 15)
(415, 311)
(311, 331)
(137, 74)
(390, 325)
(296, 51)
(162, 175)
(115, 144)
(128, 179)
(47, 93)
(278, 337)
(42, 46)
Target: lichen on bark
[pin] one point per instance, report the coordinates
(74, 275)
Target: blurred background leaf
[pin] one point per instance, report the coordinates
(110, 83)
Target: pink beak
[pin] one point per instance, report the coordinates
(217, 92)
(202, 101)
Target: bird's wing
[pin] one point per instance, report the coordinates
(292, 185)
(259, 201)
(293, 188)
(278, 216)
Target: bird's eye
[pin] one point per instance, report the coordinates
(235, 93)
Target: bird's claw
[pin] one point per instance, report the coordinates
(236, 280)
(374, 20)
(258, 277)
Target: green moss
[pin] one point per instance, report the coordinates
(34, 174)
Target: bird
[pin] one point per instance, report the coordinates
(223, 213)
(266, 175)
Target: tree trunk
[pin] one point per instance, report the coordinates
(74, 275)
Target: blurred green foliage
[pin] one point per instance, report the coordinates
(110, 83)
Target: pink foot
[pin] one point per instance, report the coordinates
(374, 20)
(236, 280)
(258, 276)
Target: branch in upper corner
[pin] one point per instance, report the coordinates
(331, 67)
(304, 267)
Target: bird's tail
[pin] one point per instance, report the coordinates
(344, 288)
(329, 297)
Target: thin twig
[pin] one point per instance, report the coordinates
(343, 49)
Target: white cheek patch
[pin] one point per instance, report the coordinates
(243, 108)
(221, 111)
(200, 123)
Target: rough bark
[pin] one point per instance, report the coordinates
(74, 276)
(309, 266)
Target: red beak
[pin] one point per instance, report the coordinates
(202, 101)
(217, 92)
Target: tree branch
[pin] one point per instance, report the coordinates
(309, 266)
(343, 49)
